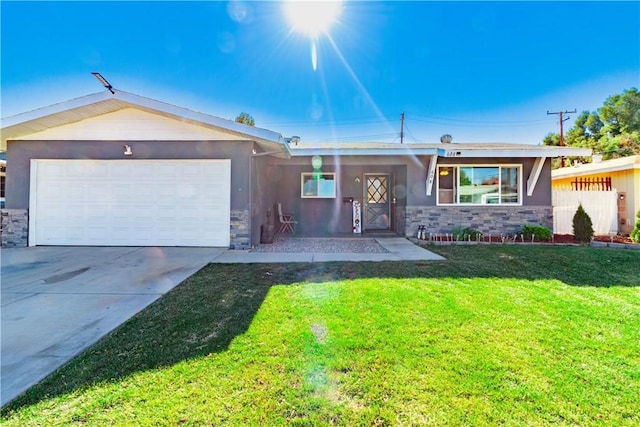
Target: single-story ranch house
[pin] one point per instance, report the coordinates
(117, 169)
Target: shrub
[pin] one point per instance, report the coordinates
(463, 234)
(540, 233)
(582, 226)
(635, 234)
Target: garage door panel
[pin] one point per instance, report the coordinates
(132, 202)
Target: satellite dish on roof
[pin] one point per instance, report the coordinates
(446, 138)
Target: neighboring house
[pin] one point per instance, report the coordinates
(123, 170)
(622, 175)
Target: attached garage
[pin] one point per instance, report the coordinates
(130, 202)
(118, 169)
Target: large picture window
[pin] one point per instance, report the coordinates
(318, 185)
(479, 185)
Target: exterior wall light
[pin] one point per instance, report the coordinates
(127, 150)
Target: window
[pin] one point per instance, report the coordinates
(318, 185)
(479, 185)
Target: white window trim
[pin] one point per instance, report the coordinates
(479, 165)
(310, 174)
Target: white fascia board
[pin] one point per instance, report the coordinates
(270, 140)
(580, 170)
(535, 174)
(532, 152)
(55, 108)
(363, 152)
(262, 136)
(151, 104)
(185, 113)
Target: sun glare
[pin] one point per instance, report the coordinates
(312, 18)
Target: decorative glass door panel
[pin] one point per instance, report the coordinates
(377, 207)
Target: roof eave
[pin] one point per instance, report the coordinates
(297, 152)
(265, 138)
(452, 151)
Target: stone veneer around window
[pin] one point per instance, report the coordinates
(494, 220)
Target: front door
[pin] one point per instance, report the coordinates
(377, 208)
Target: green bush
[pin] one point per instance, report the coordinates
(635, 234)
(582, 226)
(467, 233)
(540, 233)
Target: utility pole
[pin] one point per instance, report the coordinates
(562, 120)
(401, 128)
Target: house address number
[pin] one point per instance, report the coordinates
(454, 154)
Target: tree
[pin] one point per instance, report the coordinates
(621, 113)
(552, 139)
(246, 119)
(585, 131)
(635, 234)
(612, 130)
(582, 226)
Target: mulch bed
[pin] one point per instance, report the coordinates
(557, 239)
(568, 238)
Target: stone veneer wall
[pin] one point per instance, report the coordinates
(14, 228)
(493, 220)
(240, 230)
(401, 220)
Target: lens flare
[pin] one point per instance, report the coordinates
(312, 18)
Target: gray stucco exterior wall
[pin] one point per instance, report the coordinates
(21, 153)
(258, 182)
(412, 207)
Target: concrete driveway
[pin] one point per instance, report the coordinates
(57, 301)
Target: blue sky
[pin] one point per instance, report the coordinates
(480, 71)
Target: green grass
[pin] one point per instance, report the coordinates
(497, 334)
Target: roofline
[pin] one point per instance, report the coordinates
(588, 169)
(55, 108)
(453, 151)
(352, 151)
(136, 100)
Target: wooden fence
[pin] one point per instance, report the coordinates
(591, 184)
(602, 207)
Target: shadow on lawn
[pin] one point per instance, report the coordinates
(206, 312)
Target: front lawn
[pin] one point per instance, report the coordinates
(500, 334)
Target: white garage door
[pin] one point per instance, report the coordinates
(130, 202)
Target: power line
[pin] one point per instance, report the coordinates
(360, 137)
(411, 133)
(344, 122)
(449, 119)
(482, 125)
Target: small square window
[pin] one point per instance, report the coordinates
(318, 185)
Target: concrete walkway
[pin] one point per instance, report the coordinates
(55, 302)
(400, 249)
